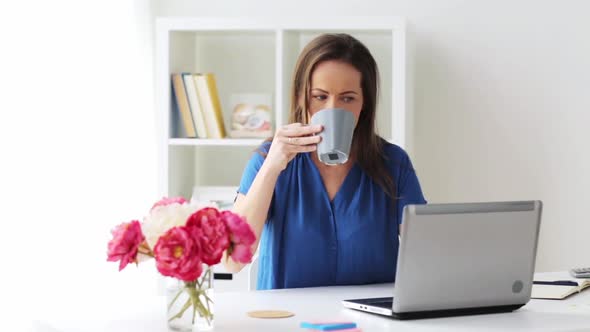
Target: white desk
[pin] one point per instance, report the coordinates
(148, 313)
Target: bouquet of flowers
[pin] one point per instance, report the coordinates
(186, 240)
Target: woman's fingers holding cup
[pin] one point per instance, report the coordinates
(288, 130)
(295, 148)
(297, 129)
(301, 140)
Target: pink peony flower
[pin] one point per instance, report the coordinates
(178, 255)
(213, 236)
(168, 200)
(241, 237)
(126, 240)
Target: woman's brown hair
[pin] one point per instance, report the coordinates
(367, 146)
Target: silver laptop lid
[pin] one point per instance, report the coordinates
(466, 255)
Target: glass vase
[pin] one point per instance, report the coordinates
(190, 304)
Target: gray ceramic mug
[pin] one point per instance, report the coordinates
(338, 124)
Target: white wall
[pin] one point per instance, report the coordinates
(502, 101)
(78, 150)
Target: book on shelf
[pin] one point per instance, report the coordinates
(198, 106)
(558, 289)
(210, 105)
(183, 106)
(176, 128)
(195, 104)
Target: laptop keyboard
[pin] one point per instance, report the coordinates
(381, 302)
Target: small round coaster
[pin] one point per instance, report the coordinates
(270, 314)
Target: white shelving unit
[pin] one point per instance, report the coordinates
(258, 55)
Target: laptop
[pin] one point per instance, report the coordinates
(462, 259)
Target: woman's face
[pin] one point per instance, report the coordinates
(336, 84)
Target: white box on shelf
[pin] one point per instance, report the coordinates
(222, 196)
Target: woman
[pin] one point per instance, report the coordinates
(327, 225)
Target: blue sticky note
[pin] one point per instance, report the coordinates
(328, 326)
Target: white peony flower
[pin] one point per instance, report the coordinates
(163, 218)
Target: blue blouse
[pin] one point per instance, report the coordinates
(310, 241)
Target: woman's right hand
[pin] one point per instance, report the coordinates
(290, 140)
